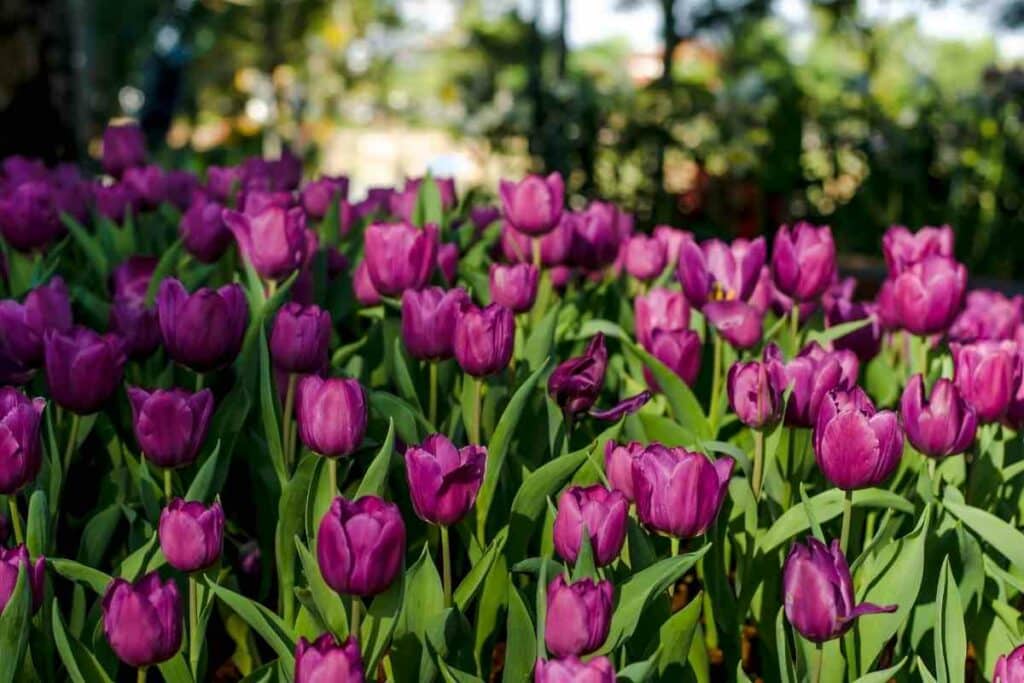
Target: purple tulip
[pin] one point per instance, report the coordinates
(428, 321)
(928, 295)
(754, 394)
(325, 660)
(321, 194)
(483, 216)
(136, 325)
(142, 620)
(363, 287)
(179, 187)
(21, 451)
(331, 414)
(255, 202)
(662, 309)
(203, 330)
(855, 445)
(576, 383)
(170, 424)
(645, 257)
(399, 256)
(360, 545)
(679, 492)
(572, 670)
(11, 562)
(275, 240)
(579, 616)
(679, 351)
(29, 216)
(113, 201)
(988, 375)
(191, 534)
(203, 231)
(22, 327)
(514, 286)
(618, 464)
(517, 247)
(818, 592)
(300, 337)
(987, 315)
(716, 271)
(903, 248)
(672, 240)
(124, 147)
(602, 512)
(443, 479)
(148, 184)
(223, 182)
(944, 425)
(739, 323)
(83, 368)
(484, 339)
(865, 342)
(1010, 668)
(804, 260)
(595, 237)
(812, 374)
(534, 204)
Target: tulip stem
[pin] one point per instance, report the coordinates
(194, 647)
(332, 474)
(716, 383)
(446, 563)
(141, 675)
(287, 437)
(794, 326)
(433, 394)
(478, 386)
(535, 243)
(168, 484)
(353, 624)
(758, 464)
(199, 382)
(819, 661)
(844, 539)
(69, 449)
(923, 358)
(12, 502)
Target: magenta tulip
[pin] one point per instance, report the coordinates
(360, 545)
(940, 426)
(601, 512)
(534, 204)
(679, 492)
(443, 479)
(579, 616)
(856, 446)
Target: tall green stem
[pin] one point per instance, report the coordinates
(287, 437)
(478, 386)
(353, 624)
(758, 463)
(844, 539)
(12, 502)
(69, 449)
(794, 326)
(199, 382)
(923, 358)
(195, 642)
(168, 487)
(819, 661)
(446, 562)
(716, 383)
(140, 676)
(535, 243)
(433, 394)
(332, 474)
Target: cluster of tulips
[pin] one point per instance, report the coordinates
(634, 457)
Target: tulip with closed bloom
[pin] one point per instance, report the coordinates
(170, 424)
(318, 196)
(484, 338)
(203, 330)
(23, 325)
(618, 465)
(679, 492)
(360, 545)
(124, 147)
(331, 414)
(812, 374)
(534, 204)
(660, 308)
(11, 563)
(363, 287)
(928, 295)
(679, 351)
(142, 620)
(595, 237)
(572, 670)
(30, 216)
(944, 424)
(327, 661)
(300, 338)
(191, 534)
(988, 375)
(83, 368)
(203, 231)
(274, 241)
(754, 395)
(804, 261)
(399, 256)
(21, 451)
(601, 512)
(514, 286)
(903, 248)
(644, 257)
(517, 247)
(987, 315)
(856, 446)
(429, 316)
(578, 617)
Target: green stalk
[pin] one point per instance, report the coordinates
(794, 326)
(478, 386)
(446, 562)
(287, 437)
(844, 539)
(194, 648)
(168, 488)
(140, 676)
(353, 624)
(433, 394)
(69, 449)
(819, 662)
(12, 502)
(758, 463)
(716, 383)
(332, 474)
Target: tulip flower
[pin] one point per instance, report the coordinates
(483, 216)
(812, 374)
(22, 326)
(399, 256)
(130, 318)
(645, 257)
(672, 240)
(944, 425)
(679, 351)
(363, 287)
(331, 414)
(578, 616)
(988, 375)
(739, 323)
(179, 187)
(534, 204)
(203, 231)
(83, 368)
(484, 339)
(429, 317)
(601, 511)
(517, 247)
(576, 383)
(300, 337)
(618, 465)
(148, 184)
(275, 240)
(856, 446)
(987, 315)
(223, 182)
(321, 194)
(678, 492)
(448, 262)
(514, 286)
(660, 308)
(864, 342)
(124, 147)
(1010, 668)
(11, 562)
(754, 394)
(903, 248)
(204, 330)
(443, 479)
(113, 201)
(142, 620)
(572, 670)
(595, 237)
(716, 271)
(818, 592)
(325, 660)
(255, 202)
(29, 216)
(928, 295)
(191, 534)
(804, 261)
(21, 451)
(360, 545)
(170, 424)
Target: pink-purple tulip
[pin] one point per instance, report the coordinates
(148, 184)
(363, 287)
(661, 308)
(602, 512)
(325, 660)
(754, 394)
(903, 248)
(21, 451)
(484, 339)
(804, 260)
(124, 147)
(203, 231)
(739, 323)
(429, 317)
(716, 271)
(443, 479)
(572, 670)
(300, 337)
(578, 617)
(142, 620)
(23, 326)
(865, 342)
(534, 204)
(170, 424)
(11, 562)
(275, 241)
(672, 240)
(360, 545)
(987, 315)
(321, 194)
(595, 237)
(83, 368)
(941, 425)
(988, 375)
(331, 414)
(644, 257)
(399, 256)
(856, 446)
(130, 318)
(928, 295)
(448, 262)
(812, 374)
(679, 351)
(191, 534)
(203, 330)
(514, 286)
(576, 383)
(517, 247)
(1010, 668)
(679, 492)
(223, 182)
(618, 465)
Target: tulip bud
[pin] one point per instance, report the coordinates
(576, 383)
(203, 231)
(1010, 668)
(517, 247)
(679, 492)
(618, 465)
(321, 194)
(113, 201)
(11, 562)
(448, 262)
(129, 317)
(428, 321)
(142, 620)
(903, 248)
(360, 545)
(443, 479)
(170, 424)
(300, 337)
(572, 670)
(988, 375)
(812, 374)
(672, 240)
(578, 616)
(399, 256)
(602, 512)
(362, 286)
(659, 309)
(83, 368)
(148, 184)
(275, 240)
(928, 295)
(534, 204)
(855, 445)
(804, 260)
(753, 395)
(325, 660)
(484, 339)
(123, 147)
(204, 330)
(514, 286)
(21, 451)
(987, 315)
(645, 257)
(191, 534)
(29, 216)
(818, 592)
(679, 351)
(223, 182)
(331, 414)
(716, 271)
(945, 425)
(257, 201)
(739, 323)
(595, 238)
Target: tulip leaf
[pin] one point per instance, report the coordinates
(165, 268)
(675, 638)
(14, 627)
(175, 670)
(321, 495)
(144, 560)
(830, 334)
(379, 625)
(98, 533)
(474, 579)
(521, 648)
(404, 415)
(787, 673)
(291, 521)
(428, 209)
(531, 499)
(541, 339)
(37, 536)
(923, 672)
(402, 377)
(424, 597)
(269, 412)
(79, 573)
(994, 531)
(684, 405)
(639, 672)
(203, 488)
(268, 625)
(884, 675)
(376, 477)
(94, 253)
(328, 604)
(80, 664)
(950, 635)
(586, 567)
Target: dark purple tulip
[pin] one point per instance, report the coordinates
(142, 620)
(18, 169)
(300, 337)
(514, 286)
(1010, 668)
(572, 670)
(818, 592)
(399, 256)
(812, 374)
(645, 257)
(928, 295)
(988, 375)
(443, 479)
(47, 307)
(484, 339)
(363, 287)
(804, 260)
(534, 204)
(326, 661)
(124, 147)
(903, 248)
(679, 351)
(483, 216)
(203, 330)
(136, 325)
(29, 216)
(331, 414)
(865, 342)
(83, 368)
(275, 240)
(618, 465)
(987, 315)
(319, 195)
(22, 326)
(848, 363)
(170, 424)
(148, 184)
(626, 406)
(754, 394)
(11, 562)
(113, 201)
(944, 424)
(716, 271)
(21, 451)
(360, 545)
(576, 383)
(578, 616)
(855, 445)
(660, 308)
(191, 534)
(739, 323)
(448, 262)
(672, 240)
(679, 492)
(179, 186)
(130, 279)
(223, 182)
(595, 237)
(203, 231)
(257, 201)
(517, 247)
(602, 512)
(428, 321)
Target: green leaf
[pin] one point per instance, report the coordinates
(541, 340)
(405, 416)
(37, 534)
(268, 411)
(14, 627)
(424, 597)
(79, 573)
(376, 477)
(264, 622)
(787, 673)
(675, 638)
(521, 648)
(884, 675)
(79, 662)
(291, 521)
(403, 379)
(923, 672)
(380, 623)
(830, 334)
(97, 534)
(684, 405)
(531, 499)
(94, 253)
(328, 604)
(428, 209)
(144, 560)
(175, 670)
(950, 635)
(994, 531)
(474, 579)
(164, 269)
(203, 487)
